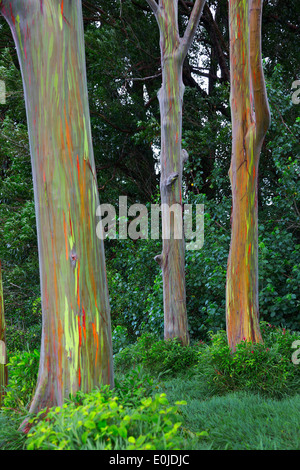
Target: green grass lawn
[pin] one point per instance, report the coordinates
(235, 421)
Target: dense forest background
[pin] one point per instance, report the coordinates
(124, 76)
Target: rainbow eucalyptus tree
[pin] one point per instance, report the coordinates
(250, 122)
(3, 360)
(76, 352)
(172, 259)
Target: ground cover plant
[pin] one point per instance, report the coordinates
(216, 400)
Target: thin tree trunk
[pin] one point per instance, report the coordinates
(3, 356)
(172, 260)
(250, 122)
(76, 352)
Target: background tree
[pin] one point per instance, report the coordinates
(250, 122)
(3, 358)
(76, 349)
(123, 77)
(172, 159)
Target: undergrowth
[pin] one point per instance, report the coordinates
(228, 397)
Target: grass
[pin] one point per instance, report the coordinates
(235, 421)
(10, 437)
(241, 412)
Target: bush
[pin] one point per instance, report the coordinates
(163, 356)
(119, 338)
(134, 385)
(101, 421)
(22, 372)
(265, 368)
(19, 339)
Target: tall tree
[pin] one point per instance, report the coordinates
(250, 122)
(76, 352)
(172, 260)
(3, 359)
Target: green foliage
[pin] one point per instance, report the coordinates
(19, 339)
(135, 415)
(134, 385)
(159, 357)
(22, 372)
(119, 338)
(11, 438)
(279, 277)
(135, 282)
(265, 368)
(23, 331)
(236, 420)
(131, 271)
(100, 421)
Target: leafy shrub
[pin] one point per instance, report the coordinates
(170, 356)
(133, 354)
(99, 420)
(119, 338)
(22, 372)
(19, 339)
(265, 368)
(163, 356)
(131, 273)
(134, 385)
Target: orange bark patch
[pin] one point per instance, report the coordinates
(83, 323)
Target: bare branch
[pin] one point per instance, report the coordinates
(191, 27)
(142, 79)
(153, 5)
(262, 112)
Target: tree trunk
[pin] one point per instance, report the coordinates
(3, 357)
(76, 351)
(172, 260)
(250, 122)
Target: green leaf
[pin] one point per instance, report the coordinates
(89, 424)
(140, 440)
(123, 432)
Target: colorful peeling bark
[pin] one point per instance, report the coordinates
(250, 122)
(3, 358)
(172, 260)
(76, 351)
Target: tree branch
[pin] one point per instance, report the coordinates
(153, 5)
(261, 107)
(191, 28)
